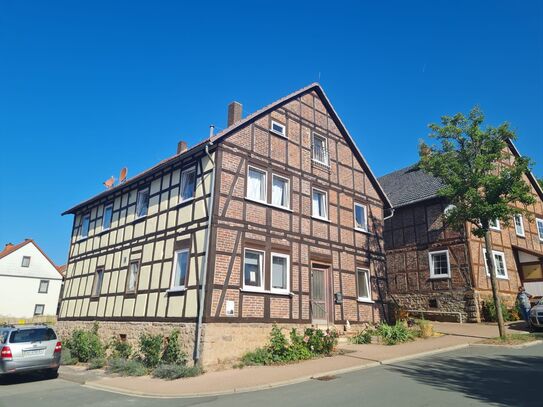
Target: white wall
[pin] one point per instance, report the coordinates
(19, 285)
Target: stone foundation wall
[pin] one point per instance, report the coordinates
(447, 301)
(132, 330)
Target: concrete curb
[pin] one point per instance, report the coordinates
(111, 389)
(519, 346)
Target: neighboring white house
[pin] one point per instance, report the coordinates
(30, 283)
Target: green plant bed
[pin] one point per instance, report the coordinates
(66, 357)
(126, 367)
(85, 345)
(394, 334)
(362, 337)
(97, 363)
(172, 372)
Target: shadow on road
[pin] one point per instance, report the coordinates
(504, 380)
(26, 378)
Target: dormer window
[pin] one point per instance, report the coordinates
(26, 261)
(278, 129)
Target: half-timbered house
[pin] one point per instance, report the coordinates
(277, 218)
(434, 269)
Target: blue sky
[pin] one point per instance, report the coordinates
(89, 87)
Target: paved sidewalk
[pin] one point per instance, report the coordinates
(263, 377)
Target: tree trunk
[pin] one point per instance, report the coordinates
(493, 281)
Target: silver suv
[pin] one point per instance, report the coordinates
(25, 348)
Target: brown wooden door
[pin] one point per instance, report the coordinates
(319, 296)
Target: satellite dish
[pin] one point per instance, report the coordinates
(109, 182)
(122, 176)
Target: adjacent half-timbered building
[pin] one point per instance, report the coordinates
(277, 218)
(440, 271)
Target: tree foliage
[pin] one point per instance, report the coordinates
(469, 160)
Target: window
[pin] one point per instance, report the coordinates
(280, 191)
(132, 279)
(280, 271)
(439, 264)
(188, 182)
(252, 269)
(320, 209)
(39, 309)
(495, 224)
(32, 334)
(98, 279)
(85, 226)
(44, 287)
(320, 150)
(142, 203)
(499, 260)
(363, 284)
(539, 224)
(519, 225)
(106, 220)
(256, 184)
(180, 269)
(278, 128)
(26, 261)
(360, 217)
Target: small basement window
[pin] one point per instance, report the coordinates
(432, 303)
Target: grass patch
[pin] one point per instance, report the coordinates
(126, 367)
(172, 372)
(96, 363)
(513, 339)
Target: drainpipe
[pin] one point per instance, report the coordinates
(203, 275)
(391, 214)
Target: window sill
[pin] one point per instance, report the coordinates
(441, 277)
(281, 208)
(260, 291)
(278, 134)
(137, 220)
(183, 203)
(327, 165)
(176, 291)
(321, 219)
(499, 277)
(522, 236)
(365, 301)
(365, 231)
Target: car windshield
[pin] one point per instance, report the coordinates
(32, 335)
(3, 336)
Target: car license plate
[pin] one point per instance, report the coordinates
(33, 352)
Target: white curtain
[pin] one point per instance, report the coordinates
(279, 273)
(316, 204)
(256, 185)
(279, 192)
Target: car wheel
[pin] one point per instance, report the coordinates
(52, 373)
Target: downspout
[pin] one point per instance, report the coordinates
(203, 276)
(392, 210)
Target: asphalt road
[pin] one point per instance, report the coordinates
(476, 376)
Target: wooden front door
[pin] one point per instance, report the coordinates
(319, 295)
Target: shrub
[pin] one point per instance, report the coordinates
(175, 371)
(96, 363)
(126, 367)
(66, 357)
(172, 352)
(260, 356)
(151, 349)
(85, 345)
(362, 337)
(119, 349)
(393, 334)
(489, 311)
(320, 342)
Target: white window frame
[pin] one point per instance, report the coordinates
(104, 217)
(497, 225)
(287, 198)
(538, 225)
(97, 290)
(23, 261)
(432, 270)
(313, 190)
(282, 133)
(141, 191)
(81, 235)
(259, 288)
(46, 287)
(520, 232)
(327, 160)
(502, 255)
(280, 290)
(135, 290)
(188, 170)
(368, 285)
(363, 228)
(264, 183)
(174, 287)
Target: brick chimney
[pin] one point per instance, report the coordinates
(234, 113)
(7, 247)
(181, 147)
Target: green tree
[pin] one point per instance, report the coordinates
(540, 180)
(469, 160)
